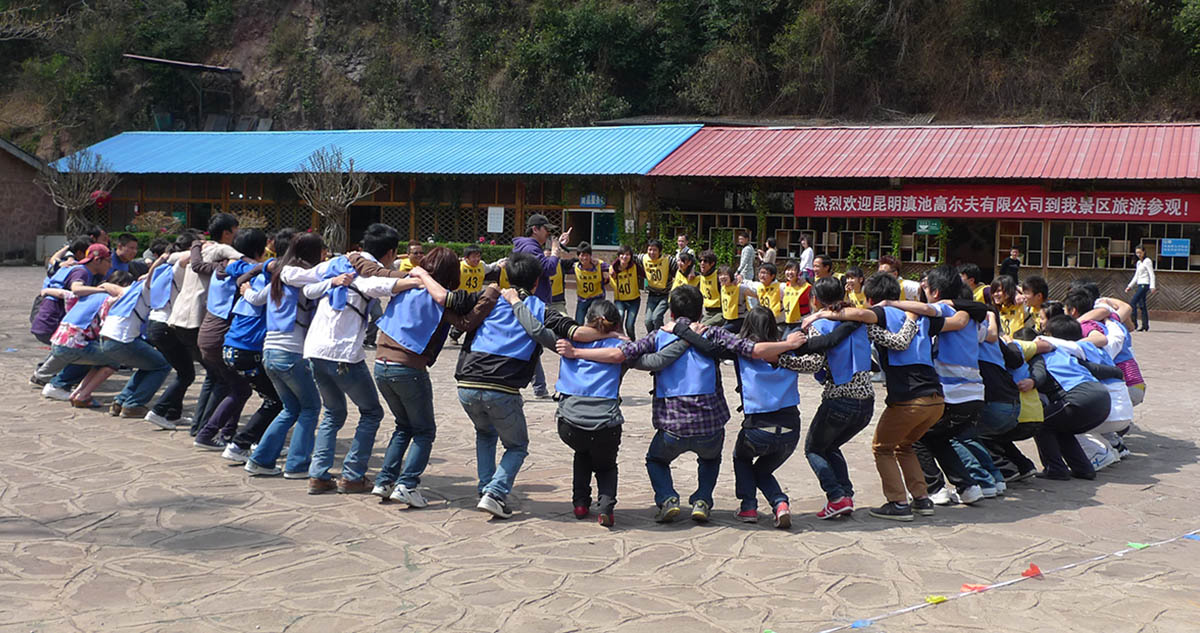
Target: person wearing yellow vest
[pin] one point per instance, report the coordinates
(854, 287)
(971, 274)
(1013, 316)
(685, 271)
(626, 275)
(710, 289)
(1034, 291)
(796, 293)
(415, 251)
(660, 271)
(770, 292)
(472, 271)
(591, 275)
(733, 299)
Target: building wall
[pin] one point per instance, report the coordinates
(25, 211)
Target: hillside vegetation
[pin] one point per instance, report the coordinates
(493, 63)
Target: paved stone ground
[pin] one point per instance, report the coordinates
(106, 524)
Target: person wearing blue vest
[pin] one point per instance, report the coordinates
(1001, 398)
(82, 279)
(412, 332)
(121, 340)
(76, 343)
(243, 353)
(167, 412)
(1076, 402)
(589, 403)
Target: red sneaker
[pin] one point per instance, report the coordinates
(606, 519)
(748, 516)
(783, 515)
(845, 505)
(582, 512)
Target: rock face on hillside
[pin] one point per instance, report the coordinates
(489, 63)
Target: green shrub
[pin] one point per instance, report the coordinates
(491, 252)
(144, 238)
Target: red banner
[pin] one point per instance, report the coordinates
(999, 202)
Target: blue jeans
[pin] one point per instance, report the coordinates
(836, 422)
(293, 380)
(656, 311)
(409, 394)
(665, 447)
(496, 416)
(756, 457)
(149, 365)
(335, 381)
(539, 378)
(628, 311)
(581, 308)
(67, 366)
(1138, 302)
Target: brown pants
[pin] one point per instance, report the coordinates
(902, 424)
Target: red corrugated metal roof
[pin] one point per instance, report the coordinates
(1146, 151)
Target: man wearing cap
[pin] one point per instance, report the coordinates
(537, 232)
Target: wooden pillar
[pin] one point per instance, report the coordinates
(519, 221)
(412, 209)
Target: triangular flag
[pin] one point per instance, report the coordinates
(860, 624)
(967, 587)
(1032, 572)
(1193, 537)
(935, 599)
(1137, 545)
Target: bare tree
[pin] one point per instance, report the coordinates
(329, 185)
(18, 23)
(76, 187)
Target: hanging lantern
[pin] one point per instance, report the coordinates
(101, 198)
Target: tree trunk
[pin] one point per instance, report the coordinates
(75, 224)
(334, 231)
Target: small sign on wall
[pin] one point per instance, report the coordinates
(495, 222)
(591, 201)
(1176, 247)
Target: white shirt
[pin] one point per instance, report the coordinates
(298, 277)
(806, 259)
(189, 306)
(910, 290)
(338, 335)
(124, 329)
(164, 314)
(1143, 274)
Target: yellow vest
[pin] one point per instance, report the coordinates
(624, 285)
(769, 297)
(504, 279)
(405, 265)
(1013, 318)
(731, 301)
(979, 293)
(470, 278)
(795, 301)
(710, 289)
(589, 283)
(857, 299)
(681, 279)
(656, 271)
(556, 282)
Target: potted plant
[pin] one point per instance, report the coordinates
(1071, 251)
(1101, 257)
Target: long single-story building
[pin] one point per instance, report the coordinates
(1076, 199)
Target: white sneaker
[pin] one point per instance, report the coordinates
(301, 474)
(261, 471)
(989, 492)
(1001, 487)
(383, 491)
(159, 421)
(1109, 457)
(235, 454)
(971, 495)
(942, 497)
(54, 393)
(411, 496)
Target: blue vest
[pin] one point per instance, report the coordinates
(502, 335)
(850, 356)
(1100, 357)
(990, 353)
(338, 295)
(223, 292)
(117, 264)
(412, 317)
(920, 350)
(1126, 353)
(161, 285)
(260, 281)
(85, 309)
(291, 308)
(578, 377)
(1066, 369)
(960, 347)
(766, 388)
(126, 304)
(59, 278)
(1021, 373)
(692, 374)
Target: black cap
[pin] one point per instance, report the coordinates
(538, 219)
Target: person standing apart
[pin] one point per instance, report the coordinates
(1012, 265)
(681, 242)
(1143, 278)
(806, 258)
(745, 268)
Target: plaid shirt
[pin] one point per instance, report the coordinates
(689, 416)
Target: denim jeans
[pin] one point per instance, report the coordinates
(756, 456)
(409, 394)
(1138, 302)
(836, 422)
(496, 416)
(628, 311)
(665, 447)
(936, 448)
(539, 378)
(656, 311)
(162, 337)
(293, 380)
(581, 308)
(150, 369)
(335, 381)
(996, 419)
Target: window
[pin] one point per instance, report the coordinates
(1110, 245)
(598, 226)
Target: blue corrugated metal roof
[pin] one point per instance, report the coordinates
(633, 149)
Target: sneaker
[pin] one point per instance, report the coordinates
(134, 413)
(1001, 487)
(411, 496)
(114, 409)
(261, 471)
(234, 453)
(282, 452)
(210, 444)
(747, 516)
(582, 512)
(320, 486)
(942, 497)
(36, 383)
(1053, 474)
(700, 511)
(606, 518)
(383, 490)
(783, 515)
(845, 505)
(489, 502)
(668, 510)
(989, 492)
(923, 506)
(54, 393)
(353, 487)
(300, 474)
(1123, 451)
(970, 495)
(1108, 458)
(160, 421)
(1021, 476)
(893, 511)
(543, 396)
